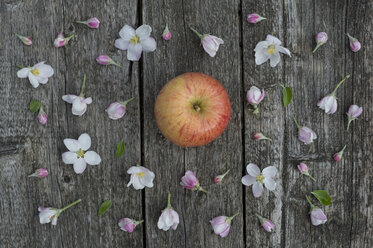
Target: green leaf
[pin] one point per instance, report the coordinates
(287, 95)
(104, 207)
(35, 105)
(120, 149)
(323, 197)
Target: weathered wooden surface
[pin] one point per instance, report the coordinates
(26, 146)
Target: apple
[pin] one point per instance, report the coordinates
(192, 109)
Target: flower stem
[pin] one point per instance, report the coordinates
(81, 22)
(196, 32)
(309, 201)
(83, 86)
(20, 66)
(71, 204)
(343, 149)
(256, 110)
(226, 172)
(69, 38)
(261, 219)
(339, 84)
(127, 101)
(169, 200)
(296, 123)
(350, 37)
(138, 222)
(349, 122)
(33, 175)
(311, 177)
(203, 190)
(232, 217)
(115, 63)
(317, 46)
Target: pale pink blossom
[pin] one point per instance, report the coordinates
(257, 178)
(166, 35)
(266, 223)
(42, 117)
(141, 177)
(321, 38)
(209, 42)
(79, 102)
(329, 102)
(305, 134)
(50, 215)
(254, 96)
(41, 173)
(106, 60)
(316, 214)
(353, 113)
(169, 217)
(25, 40)
(254, 18)
(303, 169)
(355, 45)
(61, 41)
(222, 225)
(91, 22)
(338, 156)
(190, 181)
(117, 110)
(260, 136)
(219, 178)
(128, 225)
(37, 74)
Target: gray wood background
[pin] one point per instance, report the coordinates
(25, 145)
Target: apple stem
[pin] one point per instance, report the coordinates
(197, 108)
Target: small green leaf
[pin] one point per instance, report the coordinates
(104, 207)
(323, 197)
(35, 105)
(287, 95)
(120, 149)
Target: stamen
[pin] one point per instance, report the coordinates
(36, 72)
(271, 50)
(134, 40)
(141, 174)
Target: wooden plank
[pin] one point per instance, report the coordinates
(181, 54)
(37, 146)
(270, 121)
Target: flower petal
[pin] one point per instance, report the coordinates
(88, 100)
(72, 144)
(42, 80)
(85, 141)
(253, 170)
(269, 171)
(69, 98)
(148, 45)
(92, 158)
(261, 46)
(134, 169)
(274, 59)
(284, 50)
(134, 52)
(261, 57)
(69, 157)
(79, 106)
(143, 32)
(33, 80)
(257, 189)
(121, 44)
(79, 166)
(23, 73)
(248, 180)
(135, 181)
(273, 40)
(225, 233)
(269, 183)
(45, 70)
(127, 32)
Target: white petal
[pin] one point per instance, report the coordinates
(261, 46)
(261, 57)
(79, 106)
(161, 225)
(273, 40)
(45, 70)
(127, 32)
(23, 73)
(269, 171)
(269, 183)
(135, 180)
(54, 221)
(253, 170)
(134, 52)
(88, 100)
(284, 50)
(85, 141)
(79, 166)
(147, 179)
(257, 189)
(248, 180)
(275, 59)
(72, 144)
(92, 158)
(42, 80)
(38, 64)
(121, 44)
(134, 169)
(33, 80)
(148, 45)
(143, 31)
(69, 157)
(69, 98)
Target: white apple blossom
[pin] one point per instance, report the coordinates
(79, 102)
(169, 217)
(78, 154)
(270, 49)
(141, 177)
(135, 41)
(38, 74)
(50, 215)
(257, 178)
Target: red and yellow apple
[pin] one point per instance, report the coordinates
(192, 109)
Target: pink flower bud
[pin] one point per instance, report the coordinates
(354, 43)
(209, 42)
(222, 225)
(61, 41)
(254, 96)
(189, 180)
(260, 136)
(25, 40)
(166, 35)
(303, 169)
(255, 18)
(321, 39)
(128, 225)
(41, 173)
(266, 223)
(219, 178)
(42, 117)
(338, 156)
(306, 135)
(117, 110)
(92, 22)
(328, 104)
(316, 214)
(106, 60)
(353, 113)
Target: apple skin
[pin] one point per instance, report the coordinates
(192, 109)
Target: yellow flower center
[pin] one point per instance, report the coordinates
(134, 40)
(260, 178)
(271, 50)
(36, 72)
(80, 153)
(141, 174)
